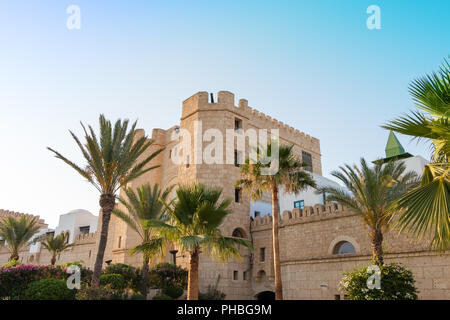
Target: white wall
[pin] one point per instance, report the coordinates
(75, 219)
(287, 200)
(308, 195)
(416, 164)
(263, 208)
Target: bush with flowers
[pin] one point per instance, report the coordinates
(396, 283)
(130, 274)
(165, 275)
(14, 280)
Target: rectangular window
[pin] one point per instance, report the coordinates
(262, 254)
(119, 243)
(337, 297)
(235, 275)
(170, 153)
(257, 214)
(187, 161)
(84, 230)
(237, 195)
(237, 124)
(237, 158)
(245, 275)
(307, 161)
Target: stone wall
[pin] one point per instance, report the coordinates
(310, 270)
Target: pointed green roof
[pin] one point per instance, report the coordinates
(393, 146)
(394, 150)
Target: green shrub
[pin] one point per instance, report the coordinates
(12, 263)
(49, 289)
(212, 293)
(173, 291)
(95, 292)
(131, 275)
(165, 275)
(397, 283)
(116, 281)
(162, 297)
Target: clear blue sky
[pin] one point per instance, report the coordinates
(311, 64)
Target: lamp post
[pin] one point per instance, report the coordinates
(174, 254)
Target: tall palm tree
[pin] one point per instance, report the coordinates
(426, 209)
(290, 177)
(113, 160)
(17, 233)
(55, 244)
(370, 192)
(194, 221)
(144, 206)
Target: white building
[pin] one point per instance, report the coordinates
(77, 222)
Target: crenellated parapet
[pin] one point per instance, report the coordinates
(86, 238)
(305, 215)
(201, 101)
(7, 213)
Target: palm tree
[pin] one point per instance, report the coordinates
(425, 209)
(290, 177)
(17, 232)
(113, 160)
(55, 245)
(371, 190)
(141, 208)
(194, 221)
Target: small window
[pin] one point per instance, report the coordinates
(119, 243)
(84, 230)
(344, 247)
(245, 275)
(235, 275)
(90, 253)
(307, 161)
(237, 158)
(257, 214)
(237, 195)
(187, 161)
(170, 153)
(262, 254)
(237, 124)
(337, 297)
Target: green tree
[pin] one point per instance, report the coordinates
(194, 221)
(17, 233)
(425, 210)
(141, 207)
(370, 192)
(55, 244)
(114, 159)
(290, 176)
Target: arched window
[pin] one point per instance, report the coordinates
(261, 275)
(344, 247)
(238, 233)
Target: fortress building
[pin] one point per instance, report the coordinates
(318, 240)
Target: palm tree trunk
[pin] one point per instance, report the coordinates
(376, 245)
(144, 283)
(107, 202)
(53, 260)
(192, 293)
(276, 245)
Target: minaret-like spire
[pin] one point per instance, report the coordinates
(393, 147)
(394, 150)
